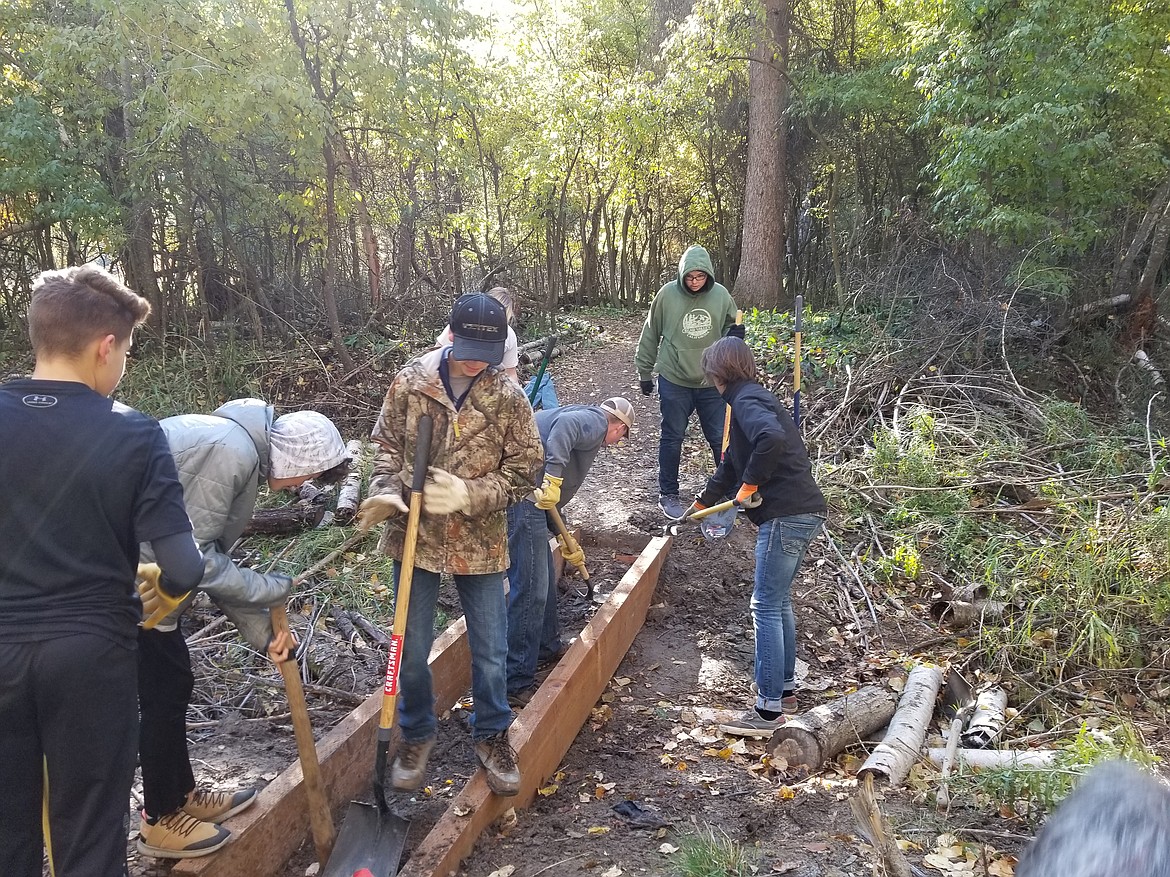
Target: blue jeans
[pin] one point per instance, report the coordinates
(482, 599)
(531, 594)
(678, 403)
(780, 548)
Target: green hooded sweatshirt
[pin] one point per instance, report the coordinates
(681, 324)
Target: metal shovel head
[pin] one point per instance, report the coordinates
(368, 839)
(718, 525)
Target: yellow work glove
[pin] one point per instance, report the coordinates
(157, 604)
(574, 558)
(749, 496)
(696, 506)
(375, 509)
(549, 493)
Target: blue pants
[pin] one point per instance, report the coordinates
(532, 597)
(780, 548)
(678, 403)
(482, 599)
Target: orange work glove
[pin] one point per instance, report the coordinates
(749, 496)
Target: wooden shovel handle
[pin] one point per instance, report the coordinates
(422, 450)
(570, 542)
(320, 818)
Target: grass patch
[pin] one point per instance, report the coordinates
(711, 853)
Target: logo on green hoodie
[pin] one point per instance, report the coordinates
(697, 323)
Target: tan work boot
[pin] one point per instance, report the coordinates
(499, 761)
(218, 806)
(410, 764)
(179, 835)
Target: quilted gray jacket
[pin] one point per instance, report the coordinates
(221, 458)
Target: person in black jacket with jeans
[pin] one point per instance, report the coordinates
(767, 469)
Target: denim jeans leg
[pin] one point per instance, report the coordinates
(712, 415)
(780, 548)
(416, 699)
(527, 591)
(550, 636)
(677, 404)
(486, 612)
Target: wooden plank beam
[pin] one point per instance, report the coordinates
(267, 834)
(547, 726)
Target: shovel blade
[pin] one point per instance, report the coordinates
(718, 525)
(368, 839)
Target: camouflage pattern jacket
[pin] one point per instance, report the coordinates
(491, 443)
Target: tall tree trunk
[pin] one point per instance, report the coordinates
(329, 287)
(762, 260)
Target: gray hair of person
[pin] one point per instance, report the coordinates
(1116, 822)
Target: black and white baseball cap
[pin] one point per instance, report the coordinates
(479, 324)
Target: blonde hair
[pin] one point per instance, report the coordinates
(71, 307)
(504, 297)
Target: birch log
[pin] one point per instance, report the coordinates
(988, 719)
(977, 759)
(895, 755)
(284, 521)
(350, 494)
(812, 738)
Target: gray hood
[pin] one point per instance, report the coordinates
(256, 416)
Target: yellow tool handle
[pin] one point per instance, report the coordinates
(727, 416)
(570, 542)
(422, 449)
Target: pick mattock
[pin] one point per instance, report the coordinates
(372, 837)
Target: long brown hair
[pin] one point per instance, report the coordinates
(729, 361)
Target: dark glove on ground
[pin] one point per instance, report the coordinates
(647, 387)
(735, 331)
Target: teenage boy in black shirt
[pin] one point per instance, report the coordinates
(85, 481)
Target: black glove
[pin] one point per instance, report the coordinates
(647, 387)
(736, 330)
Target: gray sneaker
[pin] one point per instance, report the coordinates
(499, 761)
(410, 764)
(752, 724)
(671, 505)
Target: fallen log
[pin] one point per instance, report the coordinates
(284, 521)
(345, 627)
(960, 614)
(895, 755)
(979, 759)
(350, 494)
(530, 357)
(370, 629)
(813, 737)
(988, 719)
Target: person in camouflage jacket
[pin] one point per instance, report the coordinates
(485, 454)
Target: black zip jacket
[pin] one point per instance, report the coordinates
(766, 450)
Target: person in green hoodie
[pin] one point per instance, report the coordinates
(687, 316)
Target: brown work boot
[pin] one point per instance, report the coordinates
(517, 700)
(218, 806)
(410, 764)
(499, 761)
(179, 835)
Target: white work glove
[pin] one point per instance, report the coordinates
(375, 509)
(444, 493)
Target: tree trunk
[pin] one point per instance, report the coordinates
(329, 286)
(762, 261)
(814, 737)
(896, 754)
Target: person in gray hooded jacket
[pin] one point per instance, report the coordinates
(572, 436)
(221, 459)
